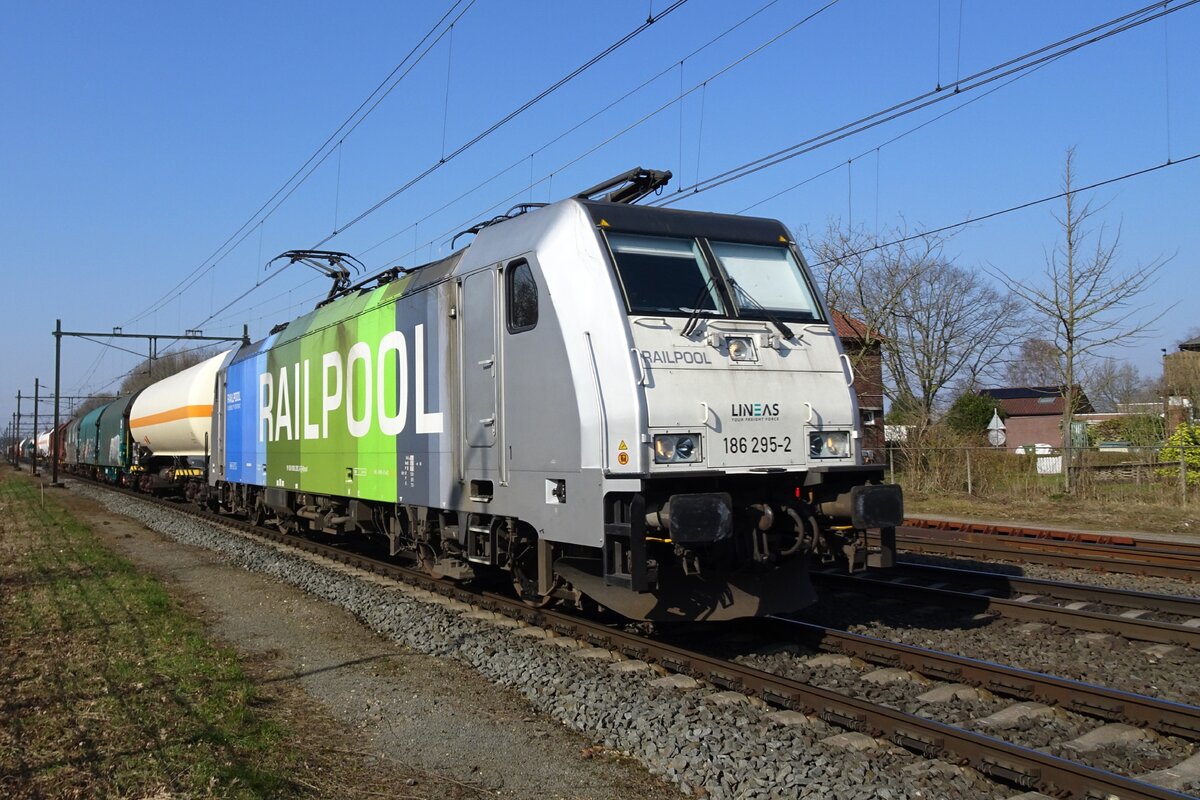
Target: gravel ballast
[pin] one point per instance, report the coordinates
(1051, 732)
(1096, 658)
(689, 738)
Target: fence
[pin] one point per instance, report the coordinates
(1165, 474)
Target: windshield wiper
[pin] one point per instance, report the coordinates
(693, 320)
(778, 323)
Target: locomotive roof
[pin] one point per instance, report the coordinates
(676, 222)
(354, 303)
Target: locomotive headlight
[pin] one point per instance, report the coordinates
(829, 444)
(676, 448)
(741, 348)
(664, 449)
(685, 448)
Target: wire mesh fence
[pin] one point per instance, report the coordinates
(1160, 474)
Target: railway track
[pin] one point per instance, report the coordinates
(1178, 561)
(1169, 608)
(1025, 533)
(1083, 615)
(1103, 703)
(1023, 767)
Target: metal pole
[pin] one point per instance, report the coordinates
(55, 444)
(19, 454)
(969, 486)
(891, 463)
(1182, 474)
(36, 389)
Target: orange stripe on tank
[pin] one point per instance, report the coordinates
(183, 412)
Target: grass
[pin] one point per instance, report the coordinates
(107, 688)
(1129, 513)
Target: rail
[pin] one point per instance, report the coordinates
(1003, 761)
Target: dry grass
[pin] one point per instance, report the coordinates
(1113, 490)
(110, 689)
(1119, 514)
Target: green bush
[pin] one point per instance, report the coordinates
(1140, 430)
(970, 414)
(1183, 444)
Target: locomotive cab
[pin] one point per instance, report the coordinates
(749, 454)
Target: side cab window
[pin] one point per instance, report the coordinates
(522, 297)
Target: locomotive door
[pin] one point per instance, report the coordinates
(480, 421)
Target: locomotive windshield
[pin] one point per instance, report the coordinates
(765, 277)
(664, 275)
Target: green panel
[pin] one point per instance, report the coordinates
(114, 434)
(318, 453)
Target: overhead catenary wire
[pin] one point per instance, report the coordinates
(552, 173)
(891, 140)
(632, 126)
(1013, 208)
(500, 123)
(559, 137)
(470, 143)
(1013, 66)
(310, 171)
(317, 154)
(611, 48)
(963, 223)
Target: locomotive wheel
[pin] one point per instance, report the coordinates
(524, 568)
(257, 514)
(426, 558)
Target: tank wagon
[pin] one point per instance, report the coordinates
(644, 407)
(170, 423)
(88, 442)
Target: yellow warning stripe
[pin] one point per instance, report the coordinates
(183, 412)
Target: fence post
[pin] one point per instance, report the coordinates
(970, 489)
(1183, 474)
(891, 464)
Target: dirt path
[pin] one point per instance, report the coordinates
(431, 719)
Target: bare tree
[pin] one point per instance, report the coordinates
(1083, 297)
(1035, 363)
(940, 324)
(1110, 385)
(846, 264)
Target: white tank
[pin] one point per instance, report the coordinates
(43, 444)
(174, 416)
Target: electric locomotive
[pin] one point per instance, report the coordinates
(639, 407)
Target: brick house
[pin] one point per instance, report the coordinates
(866, 355)
(1181, 380)
(1034, 413)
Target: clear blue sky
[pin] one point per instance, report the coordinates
(139, 136)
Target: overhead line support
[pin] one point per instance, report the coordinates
(116, 333)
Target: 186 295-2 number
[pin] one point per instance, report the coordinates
(757, 444)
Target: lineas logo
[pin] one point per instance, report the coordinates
(753, 411)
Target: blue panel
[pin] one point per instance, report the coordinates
(245, 454)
